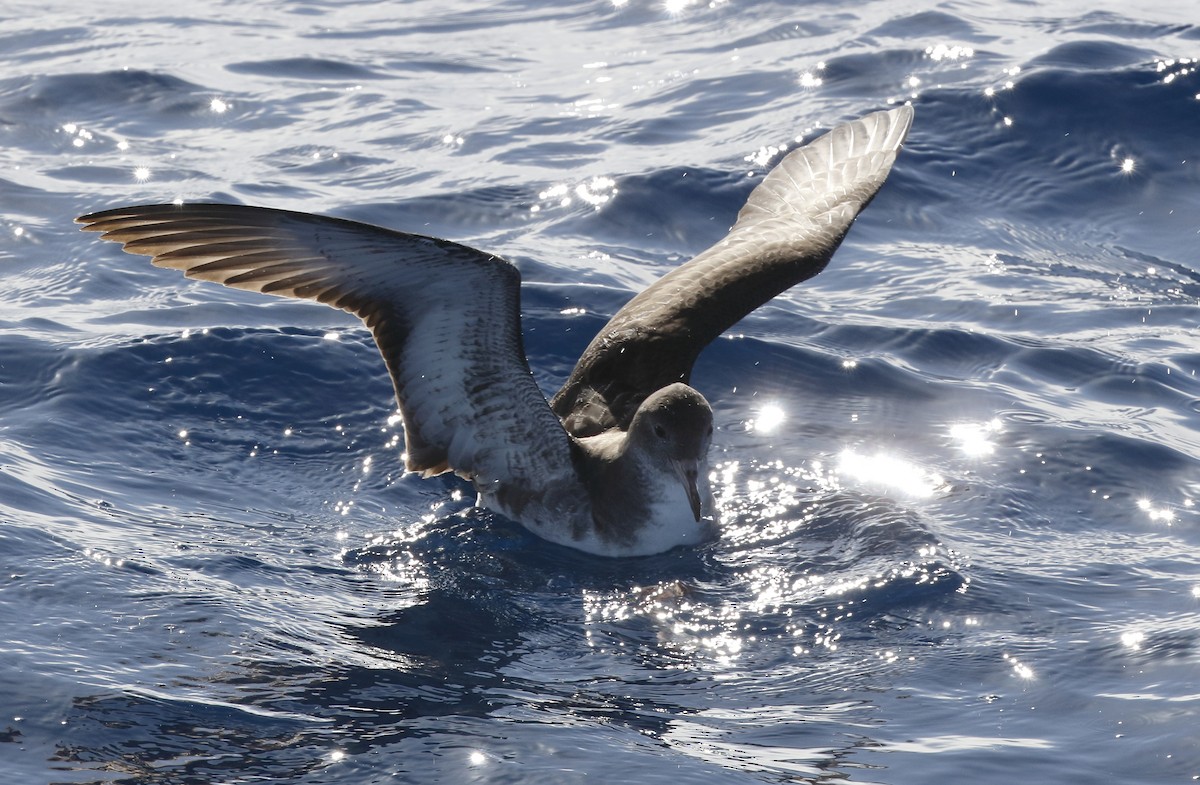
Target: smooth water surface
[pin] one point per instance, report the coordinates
(958, 470)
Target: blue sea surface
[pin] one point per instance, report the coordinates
(958, 471)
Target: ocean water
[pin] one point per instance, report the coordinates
(959, 470)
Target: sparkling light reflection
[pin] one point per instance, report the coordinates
(810, 79)
(1019, 668)
(593, 107)
(1173, 68)
(82, 135)
(764, 155)
(808, 610)
(974, 439)
(1133, 639)
(1008, 85)
(890, 472)
(597, 192)
(107, 561)
(1156, 514)
(767, 501)
(769, 418)
(944, 52)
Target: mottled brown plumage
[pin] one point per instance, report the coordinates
(616, 464)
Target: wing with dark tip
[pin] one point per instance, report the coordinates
(446, 319)
(791, 225)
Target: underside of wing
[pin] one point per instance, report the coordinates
(786, 233)
(445, 317)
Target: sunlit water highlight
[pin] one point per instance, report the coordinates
(957, 472)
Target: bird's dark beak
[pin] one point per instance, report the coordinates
(689, 475)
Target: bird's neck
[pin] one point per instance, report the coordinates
(615, 479)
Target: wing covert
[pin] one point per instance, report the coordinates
(446, 319)
(788, 230)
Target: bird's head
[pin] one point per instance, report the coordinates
(673, 427)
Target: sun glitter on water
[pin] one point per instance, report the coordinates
(976, 439)
(769, 418)
(888, 472)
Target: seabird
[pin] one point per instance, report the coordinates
(616, 463)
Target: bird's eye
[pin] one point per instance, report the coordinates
(660, 432)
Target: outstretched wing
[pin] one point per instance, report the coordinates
(791, 225)
(445, 317)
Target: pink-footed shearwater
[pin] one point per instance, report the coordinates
(616, 463)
